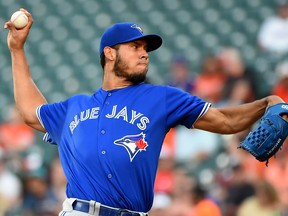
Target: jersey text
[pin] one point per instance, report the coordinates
(125, 115)
(92, 113)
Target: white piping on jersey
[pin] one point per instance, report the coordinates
(204, 110)
(41, 122)
(38, 115)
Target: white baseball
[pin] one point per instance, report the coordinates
(19, 19)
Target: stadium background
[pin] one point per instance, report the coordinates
(62, 48)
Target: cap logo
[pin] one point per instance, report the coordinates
(137, 27)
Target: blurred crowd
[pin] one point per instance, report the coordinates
(29, 183)
(200, 173)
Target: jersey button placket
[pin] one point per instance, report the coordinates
(107, 102)
(103, 132)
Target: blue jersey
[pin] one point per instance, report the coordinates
(109, 143)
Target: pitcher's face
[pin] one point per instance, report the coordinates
(132, 61)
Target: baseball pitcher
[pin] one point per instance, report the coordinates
(109, 142)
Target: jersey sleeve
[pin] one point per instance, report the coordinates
(184, 108)
(52, 118)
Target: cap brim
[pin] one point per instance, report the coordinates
(153, 41)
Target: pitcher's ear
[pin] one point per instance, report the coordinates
(110, 53)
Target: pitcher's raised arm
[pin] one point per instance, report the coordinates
(27, 95)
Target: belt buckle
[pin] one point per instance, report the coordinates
(123, 211)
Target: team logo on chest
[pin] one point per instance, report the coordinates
(133, 144)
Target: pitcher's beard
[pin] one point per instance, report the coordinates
(135, 77)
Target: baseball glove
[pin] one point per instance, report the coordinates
(268, 137)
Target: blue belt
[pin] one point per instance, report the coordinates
(84, 206)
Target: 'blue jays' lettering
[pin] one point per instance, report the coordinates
(129, 117)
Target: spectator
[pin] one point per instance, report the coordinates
(240, 93)
(265, 202)
(277, 175)
(57, 183)
(180, 75)
(38, 198)
(252, 169)
(210, 81)
(10, 188)
(203, 205)
(273, 33)
(160, 204)
(165, 177)
(235, 69)
(190, 145)
(15, 135)
(239, 188)
(281, 86)
(181, 203)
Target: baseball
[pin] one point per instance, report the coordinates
(19, 19)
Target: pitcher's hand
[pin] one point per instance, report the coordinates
(17, 37)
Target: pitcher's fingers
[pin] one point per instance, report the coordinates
(9, 25)
(30, 18)
(24, 10)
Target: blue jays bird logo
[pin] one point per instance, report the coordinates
(137, 27)
(133, 144)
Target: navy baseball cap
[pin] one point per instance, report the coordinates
(126, 32)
